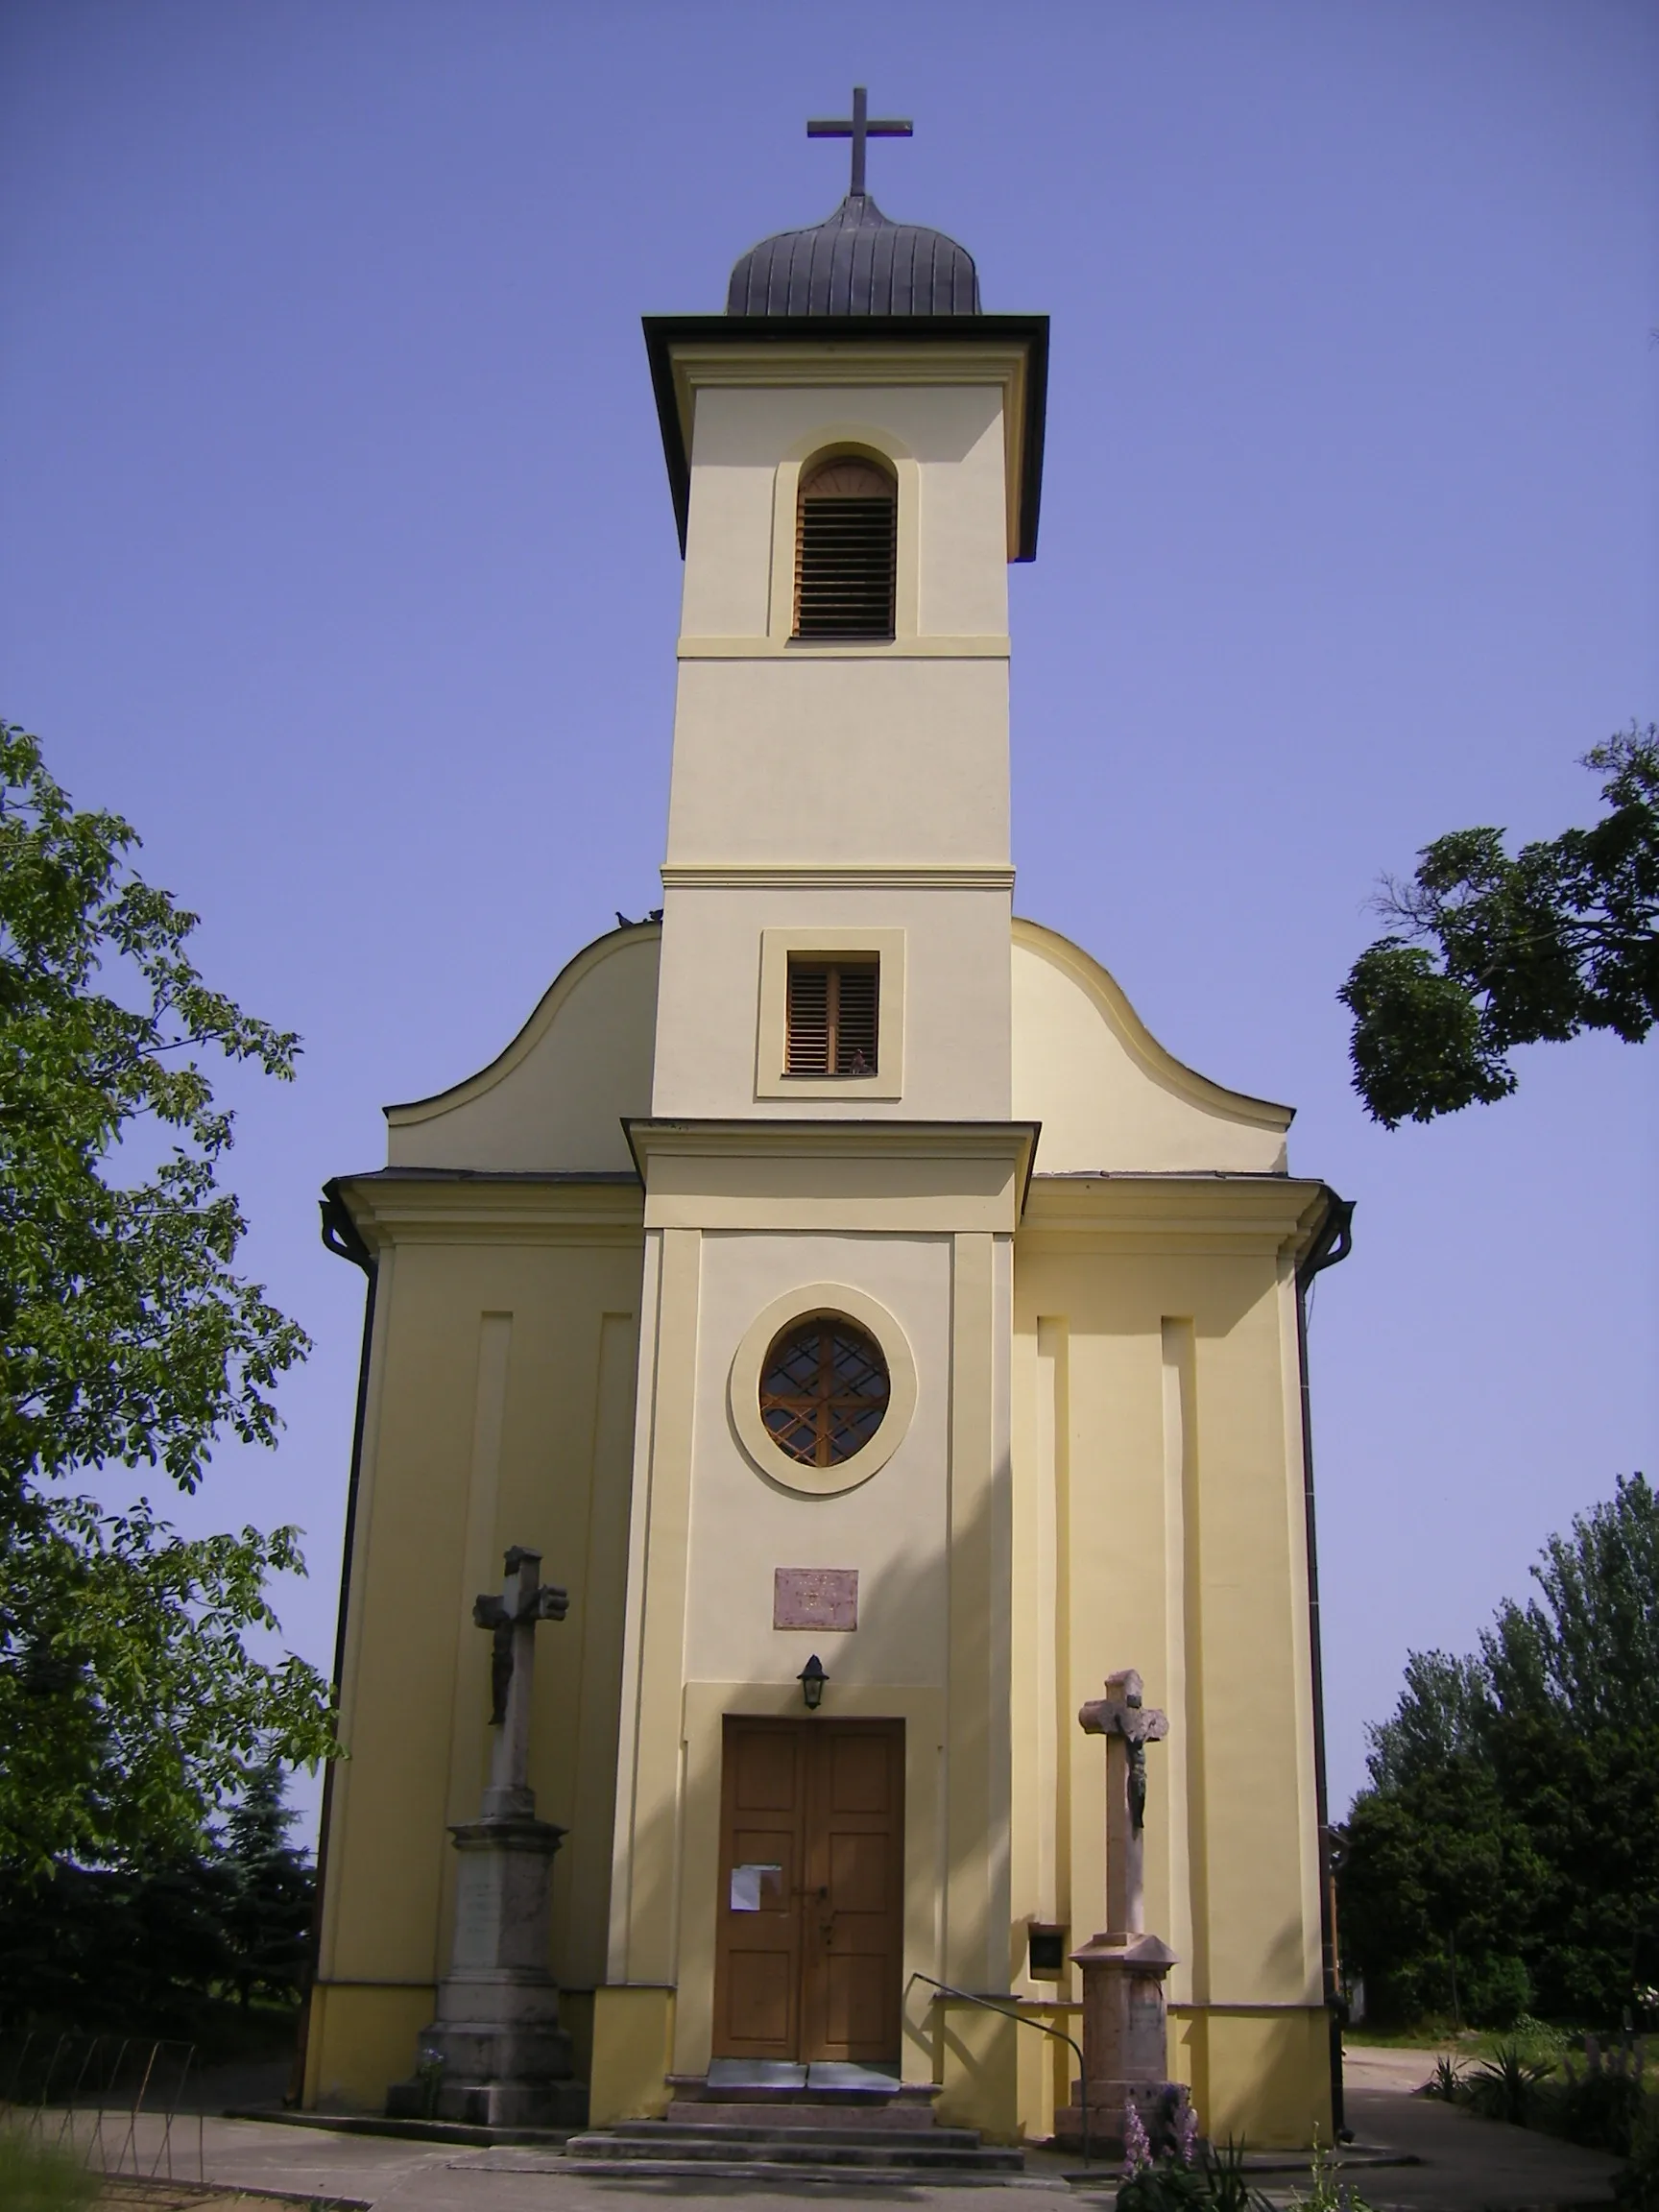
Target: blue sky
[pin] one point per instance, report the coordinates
(339, 556)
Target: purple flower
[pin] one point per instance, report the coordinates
(1137, 2144)
(1187, 2135)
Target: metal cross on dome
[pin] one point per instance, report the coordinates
(861, 129)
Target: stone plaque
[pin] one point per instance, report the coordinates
(815, 1597)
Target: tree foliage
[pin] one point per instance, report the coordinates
(1492, 951)
(149, 1948)
(130, 1706)
(1505, 1856)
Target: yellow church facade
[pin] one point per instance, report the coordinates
(876, 1332)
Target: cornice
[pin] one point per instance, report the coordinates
(1152, 1212)
(865, 1176)
(461, 1206)
(990, 647)
(688, 353)
(849, 876)
(651, 1138)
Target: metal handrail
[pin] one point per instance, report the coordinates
(1019, 2020)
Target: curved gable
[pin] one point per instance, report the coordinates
(553, 1101)
(1109, 1096)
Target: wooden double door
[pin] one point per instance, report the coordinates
(809, 1949)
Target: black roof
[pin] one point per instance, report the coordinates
(857, 262)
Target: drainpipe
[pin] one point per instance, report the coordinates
(340, 1236)
(1332, 1243)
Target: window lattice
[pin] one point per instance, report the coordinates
(833, 1018)
(845, 551)
(823, 1390)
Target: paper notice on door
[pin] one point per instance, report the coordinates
(746, 1883)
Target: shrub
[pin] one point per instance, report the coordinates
(1505, 2086)
(1637, 2188)
(1447, 2081)
(1598, 2109)
(1499, 1994)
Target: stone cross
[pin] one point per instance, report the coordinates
(860, 126)
(1128, 1727)
(512, 1618)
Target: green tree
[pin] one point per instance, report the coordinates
(1513, 1811)
(1436, 1879)
(267, 1918)
(129, 1705)
(1492, 951)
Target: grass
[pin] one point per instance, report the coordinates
(1535, 2037)
(35, 2178)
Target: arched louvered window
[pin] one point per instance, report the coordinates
(846, 547)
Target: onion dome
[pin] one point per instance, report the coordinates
(858, 262)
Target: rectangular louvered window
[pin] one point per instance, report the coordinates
(834, 1014)
(845, 551)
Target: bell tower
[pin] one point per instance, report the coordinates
(832, 1175)
(854, 452)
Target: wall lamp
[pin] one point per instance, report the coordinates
(812, 1679)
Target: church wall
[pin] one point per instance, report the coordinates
(553, 1100)
(1157, 1460)
(503, 1371)
(926, 1532)
(856, 754)
(892, 1528)
(1106, 1092)
(947, 442)
(944, 1040)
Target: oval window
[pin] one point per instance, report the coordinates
(823, 1389)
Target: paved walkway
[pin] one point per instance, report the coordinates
(1467, 2165)
(1449, 2162)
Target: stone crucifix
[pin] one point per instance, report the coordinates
(1128, 1725)
(512, 1618)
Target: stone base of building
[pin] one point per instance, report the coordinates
(1159, 2104)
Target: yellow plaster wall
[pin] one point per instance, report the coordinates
(361, 2037)
(502, 1389)
(1156, 1458)
(951, 435)
(926, 1532)
(950, 1044)
(1262, 2075)
(851, 759)
(1108, 1095)
(632, 2056)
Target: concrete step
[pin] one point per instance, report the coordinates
(793, 2176)
(854, 2130)
(657, 2147)
(805, 2111)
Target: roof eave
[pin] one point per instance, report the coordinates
(664, 332)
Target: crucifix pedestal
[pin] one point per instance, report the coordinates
(1126, 2049)
(495, 2056)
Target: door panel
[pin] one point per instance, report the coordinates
(851, 1945)
(807, 1960)
(758, 1959)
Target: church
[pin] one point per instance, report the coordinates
(880, 1336)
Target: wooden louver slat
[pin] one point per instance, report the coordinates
(834, 1018)
(846, 550)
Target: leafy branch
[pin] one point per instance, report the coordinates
(1494, 952)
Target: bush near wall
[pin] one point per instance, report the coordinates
(152, 1950)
